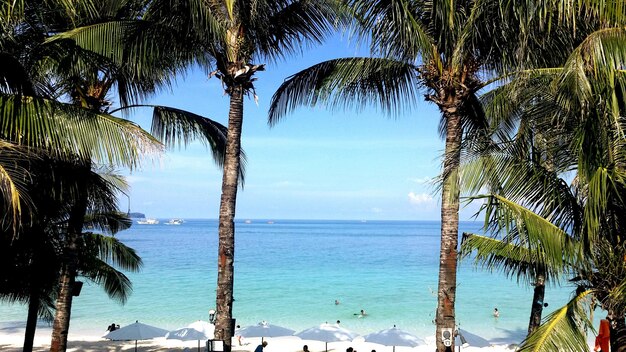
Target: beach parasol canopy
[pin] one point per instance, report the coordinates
(263, 329)
(465, 338)
(327, 333)
(394, 337)
(187, 334)
(135, 331)
(203, 326)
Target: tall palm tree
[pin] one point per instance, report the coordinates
(446, 50)
(231, 37)
(567, 216)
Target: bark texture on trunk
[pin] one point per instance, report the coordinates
(61, 325)
(67, 277)
(226, 248)
(537, 306)
(31, 321)
(618, 333)
(446, 292)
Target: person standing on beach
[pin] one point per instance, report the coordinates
(305, 348)
(604, 336)
(260, 347)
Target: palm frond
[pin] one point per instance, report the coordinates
(14, 177)
(13, 76)
(70, 130)
(175, 127)
(116, 285)
(395, 29)
(550, 246)
(300, 22)
(564, 329)
(509, 258)
(111, 250)
(390, 85)
(111, 223)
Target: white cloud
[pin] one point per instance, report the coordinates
(376, 210)
(418, 199)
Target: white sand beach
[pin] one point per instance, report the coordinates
(12, 342)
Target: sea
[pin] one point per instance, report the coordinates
(291, 272)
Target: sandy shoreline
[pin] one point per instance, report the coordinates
(11, 341)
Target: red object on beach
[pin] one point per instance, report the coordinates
(604, 337)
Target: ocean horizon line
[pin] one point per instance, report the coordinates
(311, 220)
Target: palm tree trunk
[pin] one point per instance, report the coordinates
(31, 321)
(61, 325)
(226, 248)
(618, 333)
(67, 278)
(537, 306)
(446, 292)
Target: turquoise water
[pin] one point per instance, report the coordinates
(290, 273)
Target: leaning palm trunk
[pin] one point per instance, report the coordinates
(31, 321)
(449, 224)
(226, 249)
(61, 325)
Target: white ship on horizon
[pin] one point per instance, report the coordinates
(175, 222)
(148, 221)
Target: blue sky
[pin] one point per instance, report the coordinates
(315, 164)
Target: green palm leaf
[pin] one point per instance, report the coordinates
(359, 82)
(114, 282)
(549, 246)
(111, 250)
(293, 23)
(564, 329)
(70, 130)
(395, 28)
(175, 127)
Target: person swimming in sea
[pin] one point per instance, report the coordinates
(361, 314)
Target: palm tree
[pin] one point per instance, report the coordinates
(445, 50)
(231, 37)
(36, 251)
(87, 78)
(570, 196)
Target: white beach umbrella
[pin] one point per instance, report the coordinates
(327, 333)
(187, 334)
(465, 338)
(204, 326)
(135, 331)
(263, 329)
(394, 337)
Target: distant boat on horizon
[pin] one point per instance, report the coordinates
(148, 221)
(248, 221)
(175, 222)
